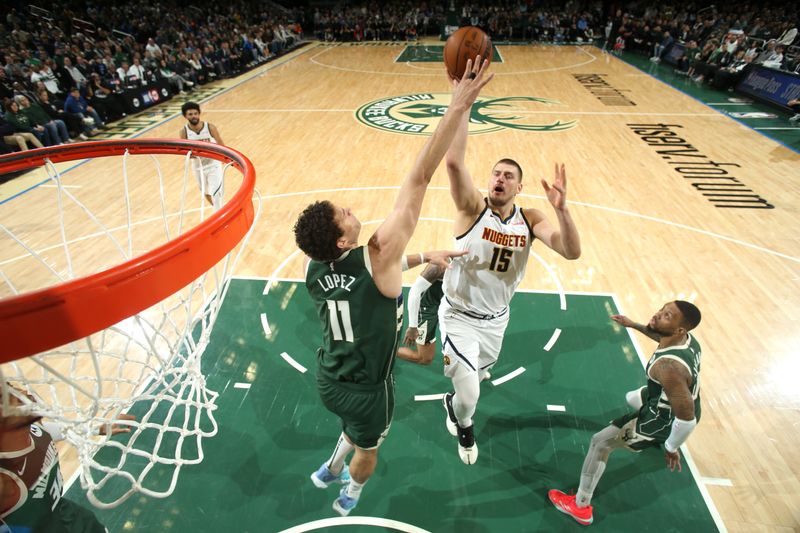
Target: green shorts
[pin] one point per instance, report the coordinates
(641, 430)
(428, 324)
(366, 413)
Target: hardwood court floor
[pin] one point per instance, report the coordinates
(650, 233)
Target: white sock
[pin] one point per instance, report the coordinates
(467, 391)
(354, 489)
(340, 453)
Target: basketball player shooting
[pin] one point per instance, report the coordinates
(478, 288)
(208, 171)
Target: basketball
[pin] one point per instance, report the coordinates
(464, 44)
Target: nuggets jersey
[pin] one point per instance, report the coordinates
(203, 135)
(483, 281)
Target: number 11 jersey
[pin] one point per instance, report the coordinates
(360, 326)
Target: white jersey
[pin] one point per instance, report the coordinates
(483, 281)
(203, 135)
(207, 171)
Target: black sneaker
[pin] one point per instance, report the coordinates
(467, 449)
(450, 421)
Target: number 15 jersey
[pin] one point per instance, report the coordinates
(483, 281)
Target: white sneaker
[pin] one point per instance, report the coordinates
(795, 118)
(467, 448)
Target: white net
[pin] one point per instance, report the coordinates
(148, 366)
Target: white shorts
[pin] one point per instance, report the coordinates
(472, 342)
(210, 180)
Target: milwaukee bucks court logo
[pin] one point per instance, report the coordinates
(418, 114)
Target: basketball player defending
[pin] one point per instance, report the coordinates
(208, 171)
(356, 290)
(478, 287)
(424, 299)
(666, 409)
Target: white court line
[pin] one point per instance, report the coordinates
(553, 339)
(355, 521)
(268, 286)
(726, 103)
(509, 110)
(718, 481)
(712, 509)
(559, 408)
(434, 188)
(798, 129)
(240, 385)
(49, 186)
(428, 397)
(510, 375)
(265, 325)
(295, 364)
(437, 74)
(574, 202)
(282, 110)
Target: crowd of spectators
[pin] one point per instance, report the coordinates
(64, 68)
(718, 43)
(503, 20)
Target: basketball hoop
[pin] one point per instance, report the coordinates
(91, 344)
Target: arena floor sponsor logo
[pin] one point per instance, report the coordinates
(707, 176)
(418, 114)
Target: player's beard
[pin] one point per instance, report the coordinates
(194, 121)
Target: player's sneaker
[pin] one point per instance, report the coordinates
(566, 504)
(344, 503)
(323, 477)
(450, 420)
(467, 449)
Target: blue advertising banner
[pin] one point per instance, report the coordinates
(773, 85)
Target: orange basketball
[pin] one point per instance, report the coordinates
(464, 44)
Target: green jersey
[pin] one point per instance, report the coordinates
(432, 297)
(40, 507)
(360, 326)
(657, 406)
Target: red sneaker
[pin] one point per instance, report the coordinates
(566, 504)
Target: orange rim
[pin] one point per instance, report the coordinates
(44, 319)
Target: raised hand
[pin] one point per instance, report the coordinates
(466, 90)
(557, 193)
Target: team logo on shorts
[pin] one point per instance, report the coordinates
(446, 360)
(418, 114)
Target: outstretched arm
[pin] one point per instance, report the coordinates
(641, 328)
(565, 240)
(388, 243)
(466, 196)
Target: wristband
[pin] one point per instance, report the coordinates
(680, 432)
